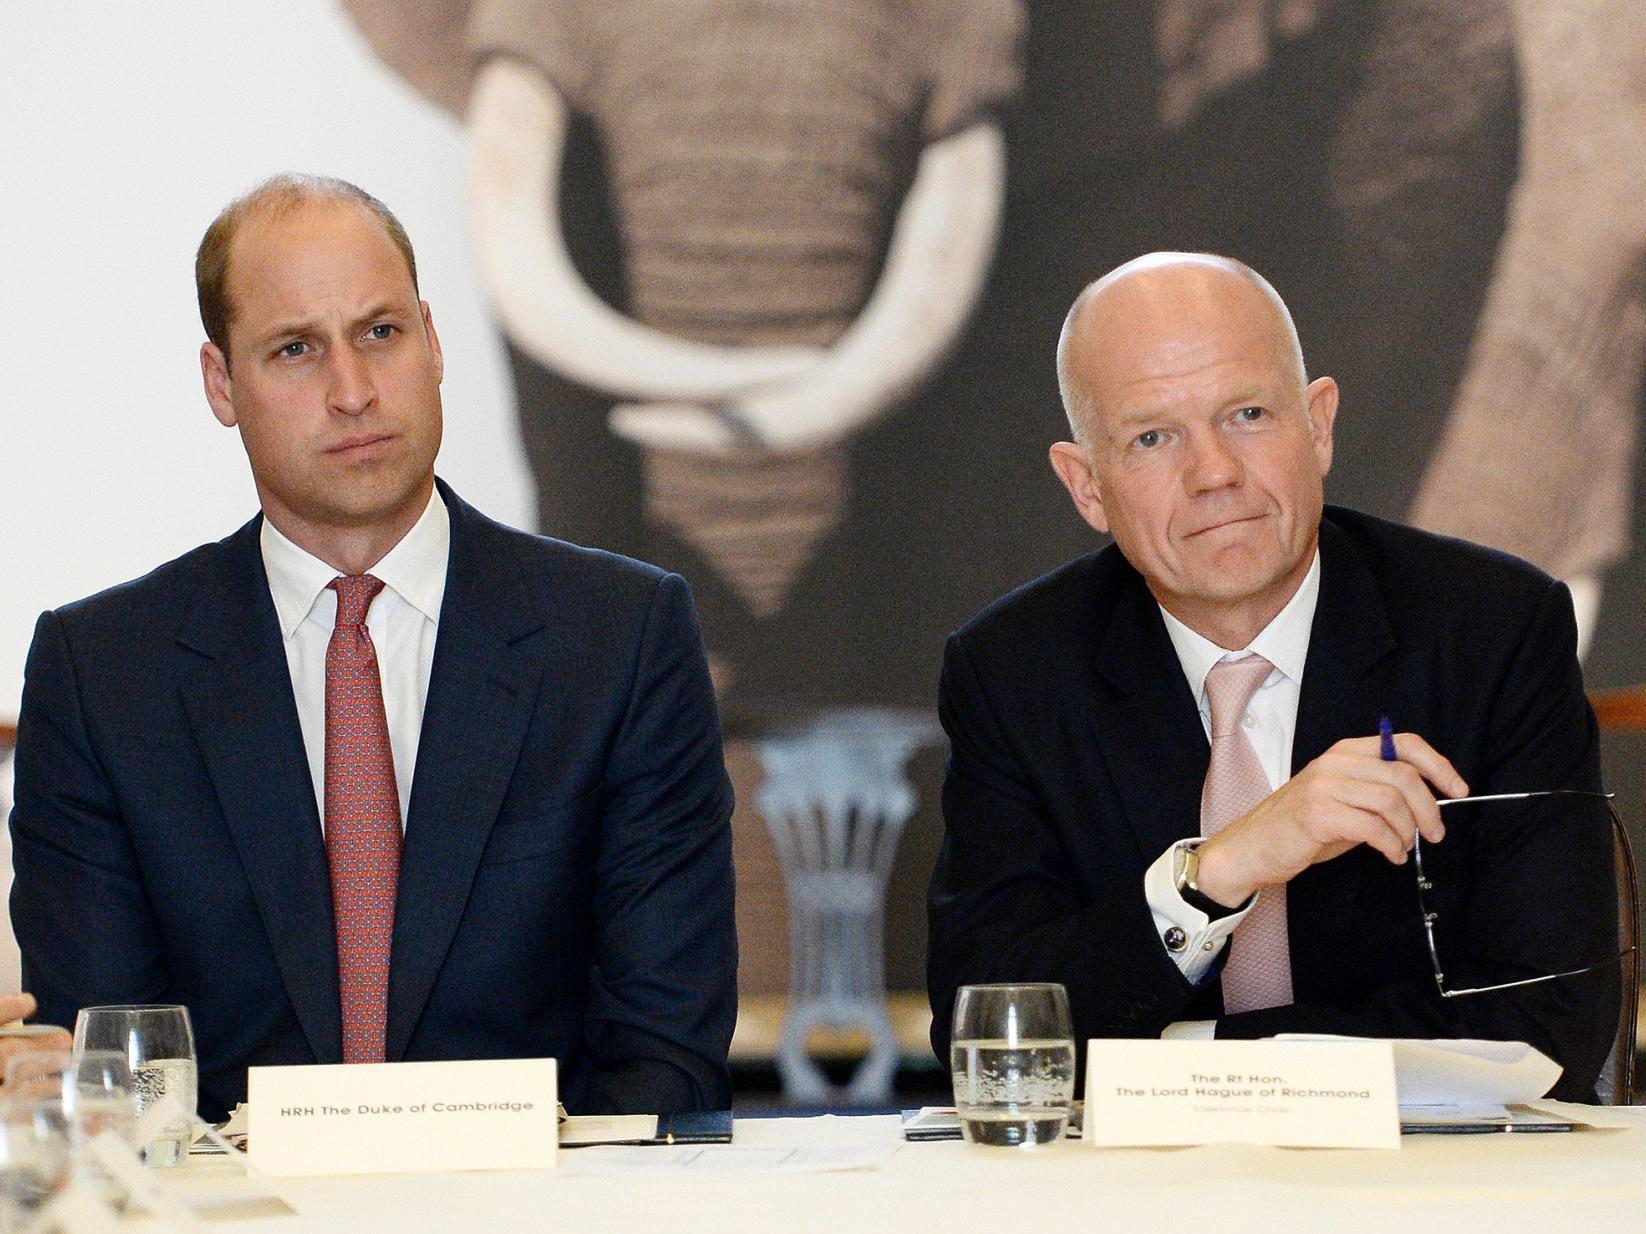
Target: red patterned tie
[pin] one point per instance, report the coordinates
(1259, 971)
(362, 821)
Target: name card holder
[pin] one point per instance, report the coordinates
(1338, 1094)
(400, 1118)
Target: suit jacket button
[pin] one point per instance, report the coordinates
(1175, 939)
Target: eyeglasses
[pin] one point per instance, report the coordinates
(1431, 917)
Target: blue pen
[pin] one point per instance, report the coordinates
(1386, 732)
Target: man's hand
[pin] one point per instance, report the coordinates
(18, 1007)
(1347, 796)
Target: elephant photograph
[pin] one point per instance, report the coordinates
(780, 285)
(779, 282)
(711, 294)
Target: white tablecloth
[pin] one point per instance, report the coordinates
(1494, 1184)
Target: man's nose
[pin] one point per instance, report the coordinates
(1212, 464)
(352, 391)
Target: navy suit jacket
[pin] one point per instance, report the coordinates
(1077, 758)
(565, 883)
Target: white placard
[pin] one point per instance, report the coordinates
(1337, 1094)
(397, 1118)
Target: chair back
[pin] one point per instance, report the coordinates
(1616, 1085)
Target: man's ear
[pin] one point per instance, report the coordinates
(1322, 403)
(1074, 468)
(214, 371)
(434, 342)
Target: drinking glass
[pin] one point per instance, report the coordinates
(98, 1095)
(37, 1075)
(92, 1090)
(158, 1044)
(34, 1158)
(1012, 1057)
(94, 1086)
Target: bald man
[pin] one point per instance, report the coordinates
(1167, 786)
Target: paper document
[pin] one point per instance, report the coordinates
(1463, 1072)
(578, 1129)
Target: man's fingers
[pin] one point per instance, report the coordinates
(16, 1007)
(1374, 814)
(1394, 790)
(1413, 751)
(1434, 766)
(12, 1046)
(1416, 811)
(1359, 760)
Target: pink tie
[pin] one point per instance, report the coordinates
(362, 821)
(1259, 971)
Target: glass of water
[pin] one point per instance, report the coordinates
(92, 1090)
(93, 1085)
(97, 1094)
(158, 1043)
(1012, 1056)
(34, 1159)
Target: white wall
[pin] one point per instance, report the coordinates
(124, 127)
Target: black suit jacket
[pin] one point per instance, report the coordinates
(1077, 758)
(565, 884)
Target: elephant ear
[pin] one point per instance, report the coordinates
(1206, 47)
(423, 41)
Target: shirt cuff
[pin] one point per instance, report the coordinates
(1190, 1030)
(1191, 938)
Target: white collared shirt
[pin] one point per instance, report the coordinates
(1270, 723)
(403, 620)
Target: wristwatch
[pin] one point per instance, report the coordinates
(1186, 872)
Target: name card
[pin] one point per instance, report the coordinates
(1338, 1094)
(398, 1118)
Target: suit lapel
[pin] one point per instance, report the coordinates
(1343, 695)
(481, 695)
(1142, 726)
(236, 689)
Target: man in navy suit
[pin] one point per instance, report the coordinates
(485, 815)
(1087, 839)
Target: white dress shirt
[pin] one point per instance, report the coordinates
(1270, 723)
(403, 620)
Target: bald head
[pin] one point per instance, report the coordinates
(1198, 444)
(1165, 302)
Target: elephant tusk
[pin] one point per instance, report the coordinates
(518, 128)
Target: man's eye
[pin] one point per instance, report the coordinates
(382, 330)
(1148, 440)
(1250, 415)
(293, 350)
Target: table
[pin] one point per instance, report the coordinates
(1491, 1184)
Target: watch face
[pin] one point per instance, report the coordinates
(1187, 866)
(1181, 867)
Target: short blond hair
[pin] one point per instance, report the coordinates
(277, 196)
